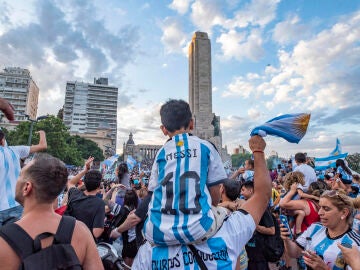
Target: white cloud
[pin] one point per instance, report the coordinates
(215, 89)
(239, 45)
(173, 36)
(255, 13)
(290, 30)
(181, 6)
(253, 113)
(206, 14)
(145, 6)
(239, 87)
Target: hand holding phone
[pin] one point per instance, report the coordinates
(284, 221)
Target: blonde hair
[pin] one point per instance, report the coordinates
(293, 177)
(356, 202)
(341, 201)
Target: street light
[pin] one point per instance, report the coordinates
(32, 124)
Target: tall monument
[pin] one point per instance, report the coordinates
(207, 124)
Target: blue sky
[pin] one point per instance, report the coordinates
(269, 57)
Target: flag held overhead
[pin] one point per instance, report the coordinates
(291, 127)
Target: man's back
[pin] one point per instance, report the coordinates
(37, 223)
(309, 174)
(9, 172)
(180, 209)
(87, 208)
(220, 251)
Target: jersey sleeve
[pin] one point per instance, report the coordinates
(21, 150)
(301, 240)
(153, 180)
(216, 171)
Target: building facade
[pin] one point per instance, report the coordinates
(91, 106)
(141, 152)
(206, 123)
(18, 87)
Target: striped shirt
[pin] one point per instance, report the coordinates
(9, 173)
(219, 252)
(326, 247)
(180, 208)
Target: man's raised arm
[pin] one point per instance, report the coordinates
(257, 204)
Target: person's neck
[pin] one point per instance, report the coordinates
(340, 229)
(180, 131)
(93, 192)
(32, 208)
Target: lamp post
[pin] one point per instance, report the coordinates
(32, 125)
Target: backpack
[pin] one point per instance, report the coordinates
(273, 245)
(59, 255)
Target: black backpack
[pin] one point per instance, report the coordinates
(273, 245)
(59, 255)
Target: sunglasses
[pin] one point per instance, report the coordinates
(332, 194)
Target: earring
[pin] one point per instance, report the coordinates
(342, 217)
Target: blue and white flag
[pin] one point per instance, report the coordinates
(291, 127)
(324, 163)
(131, 162)
(337, 150)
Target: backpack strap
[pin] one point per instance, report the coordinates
(198, 259)
(18, 239)
(65, 230)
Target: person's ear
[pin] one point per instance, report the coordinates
(27, 188)
(191, 124)
(164, 130)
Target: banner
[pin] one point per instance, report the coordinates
(324, 163)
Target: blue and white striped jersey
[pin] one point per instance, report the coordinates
(180, 207)
(219, 252)
(326, 247)
(9, 173)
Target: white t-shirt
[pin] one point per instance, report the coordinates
(180, 207)
(309, 175)
(326, 247)
(219, 252)
(9, 173)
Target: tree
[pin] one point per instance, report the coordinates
(60, 143)
(60, 113)
(87, 147)
(238, 160)
(354, 162)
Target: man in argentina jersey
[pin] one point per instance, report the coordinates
(326, 247)
(221, 250)
(180, 209)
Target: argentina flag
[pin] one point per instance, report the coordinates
(324, 163)
(131, 162)
(291, 127)
(337, 150)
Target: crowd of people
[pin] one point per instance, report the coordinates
(181, 212)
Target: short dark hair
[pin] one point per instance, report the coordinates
(92, 180)
(300, 157)
(49, 176)
(251, 162)
(248, 185)
(175, 115)
(232, 189)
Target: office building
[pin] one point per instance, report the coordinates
(90, 107)
(18, 87)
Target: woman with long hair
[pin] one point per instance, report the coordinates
(343, 172)
(319, 243)
(123, 175)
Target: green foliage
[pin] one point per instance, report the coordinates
(87, 147)
(239, 159)
(354, 162)
(70, 149)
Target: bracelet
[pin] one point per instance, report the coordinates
(258, 151)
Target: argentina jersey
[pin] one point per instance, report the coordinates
(180, 208)
(219, 252)
(326, 247)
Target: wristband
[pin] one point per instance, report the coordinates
(258, 151)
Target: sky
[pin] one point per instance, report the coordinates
(269, 57)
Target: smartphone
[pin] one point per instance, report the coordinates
(284, 221)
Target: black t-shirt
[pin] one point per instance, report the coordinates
(252, 247)
(88, 209)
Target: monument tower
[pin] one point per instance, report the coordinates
(207, 124)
